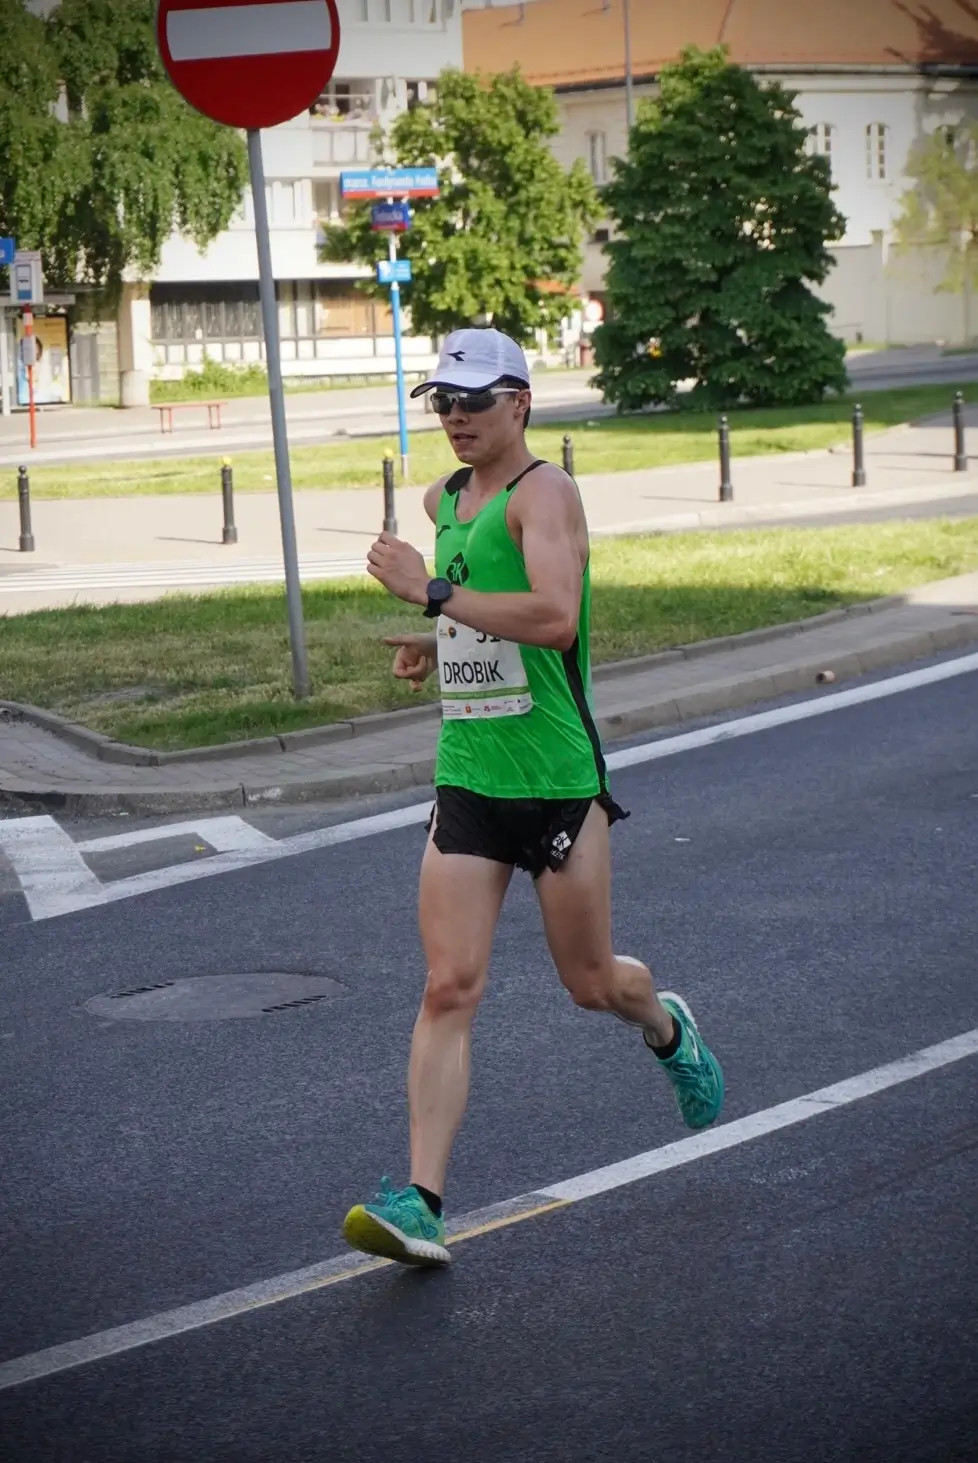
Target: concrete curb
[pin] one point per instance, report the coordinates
(711, 697)
(854, 500)
(106, 749)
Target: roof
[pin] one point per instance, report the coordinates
(575, 42)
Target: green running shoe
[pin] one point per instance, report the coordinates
(398, 1225)
(695, 1073)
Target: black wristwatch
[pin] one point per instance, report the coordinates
(439, 592)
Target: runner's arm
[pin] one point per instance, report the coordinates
(432, 496)
(546, 616)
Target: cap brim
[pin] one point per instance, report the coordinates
(460, 380)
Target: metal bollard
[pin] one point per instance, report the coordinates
(24, 500)
(726, 485)
(960, 455)
(390, 518)
(230, 533)
(858, 461)
(568, 456)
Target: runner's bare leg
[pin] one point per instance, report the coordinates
(459, 903)
(576, 908)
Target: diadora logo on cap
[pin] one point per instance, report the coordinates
(457, 356)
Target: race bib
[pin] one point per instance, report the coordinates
(480, 674)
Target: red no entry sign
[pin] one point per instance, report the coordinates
(249, 63)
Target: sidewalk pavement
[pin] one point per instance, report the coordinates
(48, 763)
(80, 433)
(100, 550)
(75, 434)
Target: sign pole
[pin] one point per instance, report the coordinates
(283, 475)
(5, 407)
(28, 336)
(398, 357)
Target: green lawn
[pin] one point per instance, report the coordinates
(198, 670)
(604, 444)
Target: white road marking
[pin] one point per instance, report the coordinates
(166, 1324)
(53, 875)
(68, 886)
(226, 834)
(220, 32)
(744, 726)
(179, 575)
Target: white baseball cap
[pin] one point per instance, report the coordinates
(471, 360)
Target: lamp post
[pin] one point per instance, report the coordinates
(629, 112)
(626, 16)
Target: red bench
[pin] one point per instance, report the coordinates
(167, 409)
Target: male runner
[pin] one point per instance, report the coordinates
(520, 778)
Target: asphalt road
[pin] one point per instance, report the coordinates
(806, 1296)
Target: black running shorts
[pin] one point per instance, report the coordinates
(527, 833)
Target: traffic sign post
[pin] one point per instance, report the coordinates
(398, 353)
(249, 63)
(393, 216)
(29, 357)
(253, 64)
(8, 248)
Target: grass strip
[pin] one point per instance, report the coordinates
(190, 671)
(601, 445)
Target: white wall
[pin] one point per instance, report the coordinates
(906, 106)
(874, 294)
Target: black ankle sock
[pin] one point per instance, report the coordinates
(433, 1201)
(671, 1047)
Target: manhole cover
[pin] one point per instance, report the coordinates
(216, 997)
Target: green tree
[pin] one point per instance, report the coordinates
(722, 221)
(941, 208)
(504, 238)
(100, 158)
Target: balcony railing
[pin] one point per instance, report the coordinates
(341, 143)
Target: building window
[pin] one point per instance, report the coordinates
(876, 152)
(283, 211)
(597, 156)
(192, 313)
(821, 140)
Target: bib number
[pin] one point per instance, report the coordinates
(481, 675)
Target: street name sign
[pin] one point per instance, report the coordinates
(390, 183)
(395, 217)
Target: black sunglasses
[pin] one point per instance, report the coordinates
(471, 402)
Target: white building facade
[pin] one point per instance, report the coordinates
(203, 305)
(866, 122)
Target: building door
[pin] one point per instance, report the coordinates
(83, 356)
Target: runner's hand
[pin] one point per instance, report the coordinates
(400, 568)
(415, 658)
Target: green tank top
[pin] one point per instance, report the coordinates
(516, 719)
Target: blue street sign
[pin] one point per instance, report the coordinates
(391, 271)
(393, 216)
(390, 183)
(8, 248)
